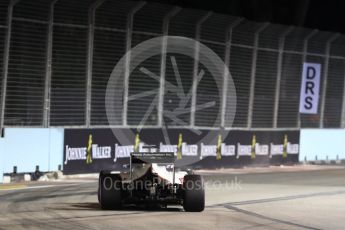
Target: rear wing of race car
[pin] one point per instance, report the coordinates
(152, 157)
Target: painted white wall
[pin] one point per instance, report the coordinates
(56, 148)
(2, 143)
(28, 147)
(322, 143)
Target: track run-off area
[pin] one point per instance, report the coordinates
(299, 197)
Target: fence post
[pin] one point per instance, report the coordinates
(195, 70)
(129, 29)
(47, 84)
(279, 74)
(253, 73)
(5, 62)
(325, 77)
(343, 107)
(166, 21)
(227, 62)
(91, 34)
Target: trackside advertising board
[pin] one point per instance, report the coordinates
(310, 88)
(93, 150)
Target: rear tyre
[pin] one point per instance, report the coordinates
(109, 191)
(194, 193)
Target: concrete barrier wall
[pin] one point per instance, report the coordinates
(110, 148)
(28, 147)
(56, 148)
(322, 143)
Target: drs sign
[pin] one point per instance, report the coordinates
(310, 87)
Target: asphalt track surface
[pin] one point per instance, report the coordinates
(271, 200)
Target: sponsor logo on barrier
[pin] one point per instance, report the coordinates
(252, 150)
(285, 148)
(279, 149)
(89, 149)
(74, 153)
(103, 151)
(92, 151)
(261, 149)
(168, 148)
(124, 151)
(208, 150)
(228, 150)
(243, 150)
(212, 150)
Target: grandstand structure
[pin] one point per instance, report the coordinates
(57, 56)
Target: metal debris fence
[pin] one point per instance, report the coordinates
(58, 56)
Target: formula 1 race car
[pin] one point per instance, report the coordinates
(152, 179)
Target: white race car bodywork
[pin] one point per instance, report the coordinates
(167, 175)
(164, 172)
(152, 179)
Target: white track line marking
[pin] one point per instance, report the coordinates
(37, 187)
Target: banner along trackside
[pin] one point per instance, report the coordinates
(93, 150)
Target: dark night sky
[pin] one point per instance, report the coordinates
(326, 15)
